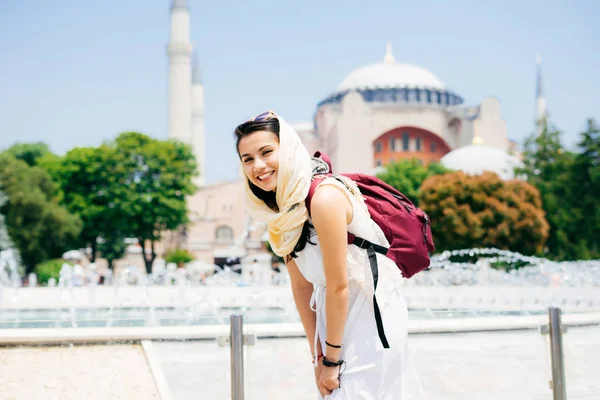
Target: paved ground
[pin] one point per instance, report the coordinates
(100, 372)
(468, 366)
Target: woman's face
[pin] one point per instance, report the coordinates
(259, 153)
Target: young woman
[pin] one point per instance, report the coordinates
(331, 281)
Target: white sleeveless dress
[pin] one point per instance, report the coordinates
(371, 372)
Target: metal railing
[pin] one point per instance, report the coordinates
(558, 384)
(236, 340)
(555, 329)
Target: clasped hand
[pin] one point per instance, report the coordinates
(327, 379)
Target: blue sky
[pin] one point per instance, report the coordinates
(77, 73)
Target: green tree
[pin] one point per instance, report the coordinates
(39, 227)
(31, 153)
(89, 181)
(154, 179)
(112, 247)
(484, 211)
(408, 175)
(549, 167)
(585, 182)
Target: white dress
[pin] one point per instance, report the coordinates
(372, 372)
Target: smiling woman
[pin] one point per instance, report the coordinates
(260, 156)
(258, 148)
(331, 281)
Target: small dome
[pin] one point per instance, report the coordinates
(477, 158)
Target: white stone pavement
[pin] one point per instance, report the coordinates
(465, 366)
(115, 372)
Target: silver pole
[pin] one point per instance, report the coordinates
(556, 351)
(237, 356)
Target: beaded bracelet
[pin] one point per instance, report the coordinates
(317, 358)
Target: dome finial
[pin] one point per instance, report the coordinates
(389, 57)
(476, 138)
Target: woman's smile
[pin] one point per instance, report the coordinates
(265, 177)
(259, 153)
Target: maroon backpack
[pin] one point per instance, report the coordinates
(405, 226)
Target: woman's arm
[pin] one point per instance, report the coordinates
(302, 291)
(331, 211)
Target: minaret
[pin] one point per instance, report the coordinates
(179, 51)
(540, 98)
(198, 120)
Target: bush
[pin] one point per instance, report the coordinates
(48, 269)
(178, 256)
(484, 211)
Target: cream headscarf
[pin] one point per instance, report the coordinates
(293, 183)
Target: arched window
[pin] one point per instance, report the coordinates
(405, 141)
(224, 234)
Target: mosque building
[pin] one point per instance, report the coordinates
(379, 113)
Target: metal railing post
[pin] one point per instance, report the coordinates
(559, 387)
(237, 356)
(237, 340)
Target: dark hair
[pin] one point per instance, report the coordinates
(271, 125)
(246, 129)
(308, 230)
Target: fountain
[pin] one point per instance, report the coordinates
(9, 274)
(9, 263)
(533, 271)
(462, 283)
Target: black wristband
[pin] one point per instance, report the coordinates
(333, 345)
(328, 363)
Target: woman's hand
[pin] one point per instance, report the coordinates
(318, 369)
(328, 380)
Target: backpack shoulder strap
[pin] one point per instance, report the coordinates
(316, 181)
(325, 158)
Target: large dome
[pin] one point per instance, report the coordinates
(394, 83)
(390, 75)
(477, 158)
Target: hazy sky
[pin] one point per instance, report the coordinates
(76, 73)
